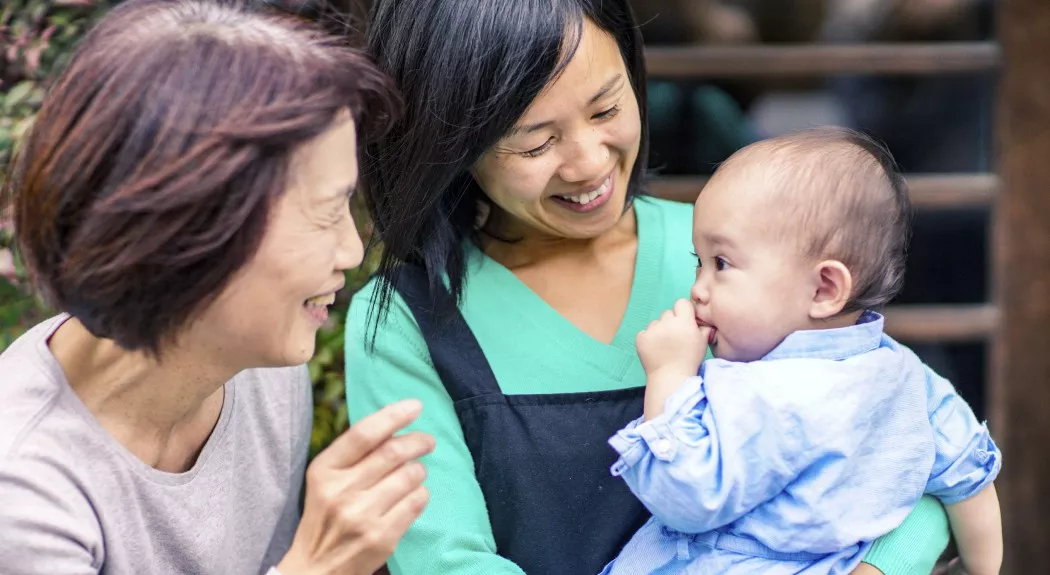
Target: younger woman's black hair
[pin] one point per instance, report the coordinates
(467, 70)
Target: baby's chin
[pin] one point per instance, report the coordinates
(722, 351)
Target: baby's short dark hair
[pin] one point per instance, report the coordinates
(844, 198)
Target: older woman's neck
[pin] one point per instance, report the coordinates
(161, 411)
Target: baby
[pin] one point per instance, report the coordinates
(811, 433)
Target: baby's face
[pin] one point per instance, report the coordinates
(753, 284)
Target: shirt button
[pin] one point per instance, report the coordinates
(663, 446)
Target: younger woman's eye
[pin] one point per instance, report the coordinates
(606, 114)
(540, 150)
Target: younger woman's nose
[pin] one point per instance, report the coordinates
(587, 160)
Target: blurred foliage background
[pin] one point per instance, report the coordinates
(36, 39)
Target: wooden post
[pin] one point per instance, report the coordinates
(1020, 393)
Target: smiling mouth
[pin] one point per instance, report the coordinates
(317, 307)
(588, 197)
(320, 301)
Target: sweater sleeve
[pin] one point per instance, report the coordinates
(915, 545)
(453, 536)
(46, 524)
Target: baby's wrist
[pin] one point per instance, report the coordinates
(660, 384)
(670, 374)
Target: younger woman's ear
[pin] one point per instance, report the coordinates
(834, 286)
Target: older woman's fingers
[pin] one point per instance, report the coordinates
(400, 517)
(368, 505)
(388, 457)
(386, 531)
(395, 487)
(368, 434)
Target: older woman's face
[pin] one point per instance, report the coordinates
(563, 169)
(270, 312)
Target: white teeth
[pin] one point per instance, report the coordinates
(321, 300)
(588, 197)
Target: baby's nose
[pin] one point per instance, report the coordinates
(700, 293)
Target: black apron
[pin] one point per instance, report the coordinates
(542, 460)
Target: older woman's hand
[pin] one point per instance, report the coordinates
(362, 494)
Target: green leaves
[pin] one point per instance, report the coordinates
(37, 38)
(18, 95)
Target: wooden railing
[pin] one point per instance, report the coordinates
(820, 60)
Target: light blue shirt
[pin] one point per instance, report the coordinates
(795, 463)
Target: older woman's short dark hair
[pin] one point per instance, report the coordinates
(148, 178)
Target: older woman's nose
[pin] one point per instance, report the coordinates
(350, 251)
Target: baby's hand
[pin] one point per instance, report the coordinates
(673, 343)
(671, 350)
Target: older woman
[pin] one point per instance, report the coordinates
(183, 199)
(521, 261)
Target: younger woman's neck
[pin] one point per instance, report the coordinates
(513, 244)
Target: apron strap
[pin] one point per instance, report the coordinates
(454, 350)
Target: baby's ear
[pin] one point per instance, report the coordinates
(834, 284)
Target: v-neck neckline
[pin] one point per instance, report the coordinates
(617, 355)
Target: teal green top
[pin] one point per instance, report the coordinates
(532, 348)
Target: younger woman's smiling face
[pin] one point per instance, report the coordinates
(562, 171)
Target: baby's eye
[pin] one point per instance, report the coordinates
(721, 263)
(699, 263)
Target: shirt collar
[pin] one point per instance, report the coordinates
(835, 344)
